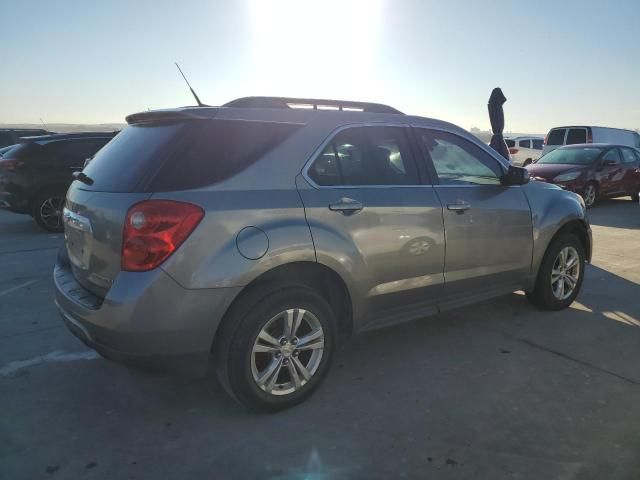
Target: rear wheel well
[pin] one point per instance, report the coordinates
(579, 229)
(316, 276)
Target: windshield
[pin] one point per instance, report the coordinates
(571, 156)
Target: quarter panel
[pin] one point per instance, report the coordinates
(210, 258)
(551, 209)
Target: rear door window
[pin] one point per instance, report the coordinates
(576, 135)
(537, 144)
(525, 143)
(363, 156)
(556, 136)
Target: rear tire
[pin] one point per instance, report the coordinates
(46, 210)
(253, 341)
(559, 279)
(590, 194)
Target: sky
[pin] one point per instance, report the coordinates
(569, 62)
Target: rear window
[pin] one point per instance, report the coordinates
(556, 136)
(576, 135)
(182, 155)
(510, 143)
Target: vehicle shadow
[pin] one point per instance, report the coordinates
(497, 387)
(618, 213)
(18, 223)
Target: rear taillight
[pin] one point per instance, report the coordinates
(154, 229)
(513, 151)
(10, 165)
(544, 142)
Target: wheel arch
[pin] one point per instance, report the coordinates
(320, 278)
(580, 229)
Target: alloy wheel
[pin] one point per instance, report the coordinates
(565, 273)
(287, 351)
(589, 195)
(51, 212)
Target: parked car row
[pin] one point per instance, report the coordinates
(595, 162)
(36, 173)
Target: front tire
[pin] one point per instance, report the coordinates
(560, 275)
(47, 210)
(275, 347)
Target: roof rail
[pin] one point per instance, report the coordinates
(310, 103)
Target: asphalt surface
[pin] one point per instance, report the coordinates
(492, 391)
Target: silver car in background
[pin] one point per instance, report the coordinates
(249, 236)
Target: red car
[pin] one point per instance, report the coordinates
(591, 170)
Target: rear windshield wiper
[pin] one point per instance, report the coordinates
(83, 177)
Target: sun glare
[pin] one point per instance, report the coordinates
(323, 48)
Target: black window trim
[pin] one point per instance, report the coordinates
(426, 158)
(411, 140)
(633, 152)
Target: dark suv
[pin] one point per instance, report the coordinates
(11, 136)
(36, 173)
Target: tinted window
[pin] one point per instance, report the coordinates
(556, 136)
(525, 143)
(612, 155)
(571, 156)
(182, 155)
(215, 150)
(537, 144)
(576, 135)
(510, 143)
(628, 156)
(458, 161)
(366, 156)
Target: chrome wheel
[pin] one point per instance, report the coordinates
(287, 351)
(589, 195)
(51, 212)
(565, 273)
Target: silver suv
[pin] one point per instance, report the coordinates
(252, 234)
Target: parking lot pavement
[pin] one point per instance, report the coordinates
(496, 390)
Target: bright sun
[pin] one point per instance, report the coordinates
(321, 48)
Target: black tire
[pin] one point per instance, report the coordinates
(48, 200)
(634, 196)
(587, 198)
(238, 333)
(542, 295)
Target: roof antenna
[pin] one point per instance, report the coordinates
(42, 122)
(200, 104)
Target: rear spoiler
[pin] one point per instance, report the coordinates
(187, 113)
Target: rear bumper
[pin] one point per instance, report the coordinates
(146, 319)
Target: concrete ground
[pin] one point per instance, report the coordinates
(493, 391)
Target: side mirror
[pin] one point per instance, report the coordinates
(515, 176)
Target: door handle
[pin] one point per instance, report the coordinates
(346, 205)
(459, 207)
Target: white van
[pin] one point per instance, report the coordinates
(559, 136)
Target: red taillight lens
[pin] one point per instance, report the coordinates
(513, 151)
(10, 165)
(154, 229)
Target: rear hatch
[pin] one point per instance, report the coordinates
(158, 152)
(95, 212)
